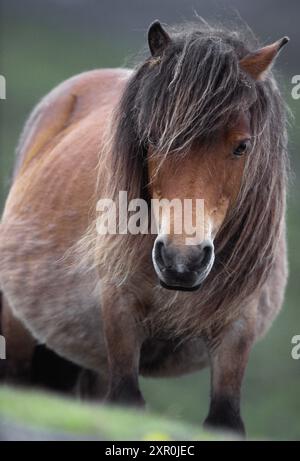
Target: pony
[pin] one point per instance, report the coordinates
(201, 117)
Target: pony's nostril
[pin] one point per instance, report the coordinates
(201, 257)
(166, 257)
(158, 253)
(206, 255)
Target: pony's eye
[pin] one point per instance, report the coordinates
(242, 148)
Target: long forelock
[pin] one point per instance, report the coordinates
(191, 93)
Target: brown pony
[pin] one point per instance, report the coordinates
(201, 117)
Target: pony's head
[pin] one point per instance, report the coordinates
(197, 121)
(195, 118)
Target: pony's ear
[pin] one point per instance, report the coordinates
(256, 64)
(158, 39)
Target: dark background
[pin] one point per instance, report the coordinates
(46, 41)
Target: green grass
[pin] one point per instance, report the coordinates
(55, 414)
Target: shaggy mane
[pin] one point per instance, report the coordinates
(170, 103)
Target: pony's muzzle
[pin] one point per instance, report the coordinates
(182, 267)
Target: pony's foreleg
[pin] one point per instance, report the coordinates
(228, 363)
(124, 337)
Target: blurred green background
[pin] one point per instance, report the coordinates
(45, 42)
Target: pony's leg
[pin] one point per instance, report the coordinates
(228, 363)
(91, 385)
(123, 338)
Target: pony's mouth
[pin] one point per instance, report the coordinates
(191, 281)
(182, 281)
(179, 287)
